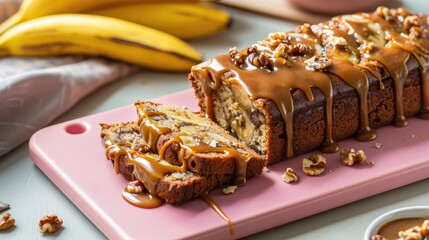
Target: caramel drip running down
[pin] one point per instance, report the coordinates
(281, 64)
(358, 80)
(187, 150)
(142, 200)
(240, 160)
(278, 87)
(152, 131)
(147, 169)
(149, 130)
(394, 59)
(206, 198)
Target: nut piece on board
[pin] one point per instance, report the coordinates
(229, 189)
(350, 157)
(50, 224)
(314, 165)
(6, 222)
(290, 176)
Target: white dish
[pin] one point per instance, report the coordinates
(404, 212)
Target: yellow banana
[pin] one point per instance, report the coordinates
(31, 9)
(184, 20)
(99, 36)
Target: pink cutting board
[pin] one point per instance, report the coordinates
(79, 168)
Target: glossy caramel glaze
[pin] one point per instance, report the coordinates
(148, 168)
(391, 230)
(206, 198)
(349, 46)
(191, 145)
(142, 200)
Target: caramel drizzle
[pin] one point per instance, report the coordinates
(152, 131)
(189, 149)
(142, 200)
(207, 199)
(147, 169)
(359, 81)
(283, 75)
(251, 78)
(149, 130)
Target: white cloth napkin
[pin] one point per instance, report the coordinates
(35, 91)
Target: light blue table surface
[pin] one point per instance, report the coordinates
(33, 195)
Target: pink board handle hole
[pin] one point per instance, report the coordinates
(76, 128)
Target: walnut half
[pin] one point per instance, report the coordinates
(50, 224)
(314, 165)
(6, 222)
(318, 62)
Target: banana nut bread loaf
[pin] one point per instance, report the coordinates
(296, 91)
(176, 154)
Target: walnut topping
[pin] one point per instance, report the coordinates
(366, 47)
(350, 157)
(318, 62)
(6, 222)
(50, 224)
(229, 190)
(290, 176)
(280, 51)
(304, 28)
(411, 21)
(135, 187)
(334, 42)
(259, 60)
(314, 165)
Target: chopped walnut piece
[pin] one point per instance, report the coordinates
(304, 28)
(229, 190)
(350, 157)
(366, 47)
(378, 237)
(314, 165)
(424, 230)
(178, 175)
(50, 224)
(290, 176)
(318, 62)
(6, 222)
(135, 187)
(411, 234)
(377, 145)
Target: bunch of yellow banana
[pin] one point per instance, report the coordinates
(143, 32)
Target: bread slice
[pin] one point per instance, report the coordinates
(296, 91)
(181, 136)
(123, 144)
